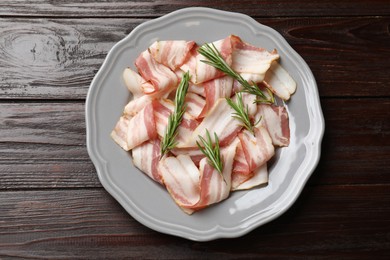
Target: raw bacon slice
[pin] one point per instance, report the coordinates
(201, 72)
(241, 171)
(215, 89)
(136, 105)
(141, 127)
(192, 88)
(195, 104)
(181, 178)
(146, 157)
(194, 152)
(280, 82)
(214, 187)
(247, 58)
(163, 108)
(218, 120)
(260, 177)
(134, 82)
(171, 53)
(258, 149)
(119, 134)
(161, 77)
(275, 119)
(249, 102)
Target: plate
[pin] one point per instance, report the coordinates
(147, 201)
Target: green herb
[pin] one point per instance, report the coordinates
(215, 59)
(213, 154)
(168, 142)
(241, 112)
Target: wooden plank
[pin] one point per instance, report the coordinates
(264, 8)
(356, 144)
(42, 145)
(325, 222)
(57, 58)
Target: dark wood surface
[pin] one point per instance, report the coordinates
(52, 204)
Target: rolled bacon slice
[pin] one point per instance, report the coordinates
(134, 82)
(218, 120)
(146, 157)
(260, 177)
(247, 58)
(181, 178)
(119, 134)
(171, 53)
(215, 187)
(130, 132)
(279, 81)
(275, 119)
(137, 104)
(258, 148)
(162, 79)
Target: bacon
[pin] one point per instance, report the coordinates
(171, 53)
(195, 104)
(249, 103)
(163, 108)
(216, 89)
(194, 152)
(136, 105)
(218, 120)
(141, 127)
(280, 82)
(192, 88)
(275, 119)
(259, 177)
(202, 72)
(161, 77)
(258, 149)
(250, 59)
(241, 171)
(119, 134)
(134, 82)
(215, 187)
(146, 157)
(181, 178)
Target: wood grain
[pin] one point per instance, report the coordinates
(57, 58)
(154, 8)
(42, 145)
(325, 222)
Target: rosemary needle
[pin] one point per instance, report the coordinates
(168, 142)
(212, 153)
(215, 59)
(241, 112)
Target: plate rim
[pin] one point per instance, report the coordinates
(313, 145)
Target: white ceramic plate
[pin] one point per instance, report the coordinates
(147, 201)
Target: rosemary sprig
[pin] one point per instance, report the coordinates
(241, 112)
(213, 154)
(168, 142)
(215, 59)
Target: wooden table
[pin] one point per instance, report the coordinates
(51, 202)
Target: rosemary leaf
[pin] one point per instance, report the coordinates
(241, 112)
(168, 142)
(215, 59)
(212, 153)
